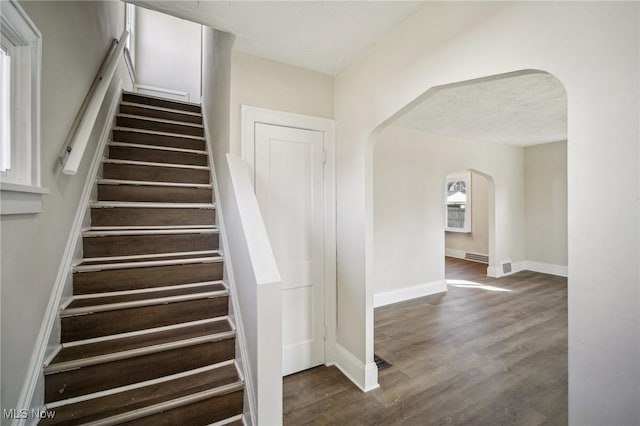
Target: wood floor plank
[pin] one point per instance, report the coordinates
(487, 352)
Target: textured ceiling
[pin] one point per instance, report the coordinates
(320, 35)
(519, 110)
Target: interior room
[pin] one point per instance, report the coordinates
(344, 212)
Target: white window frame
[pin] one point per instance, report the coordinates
(455, 177)
(5, 109)
(130, 46)
(20, 186)
(130, 25)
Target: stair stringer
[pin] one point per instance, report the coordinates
(48, 339)
(235, 313)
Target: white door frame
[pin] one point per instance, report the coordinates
(249, 116)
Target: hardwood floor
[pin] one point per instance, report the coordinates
(487, 352)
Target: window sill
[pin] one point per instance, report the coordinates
(21, 199)
(457, 231)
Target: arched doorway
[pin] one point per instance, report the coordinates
(472, 239)
(409, 166)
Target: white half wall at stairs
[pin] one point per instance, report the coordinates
(242, 353)
(256, 287)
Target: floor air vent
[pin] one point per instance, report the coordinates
(477, 257)
(380, 363)
(506, 267)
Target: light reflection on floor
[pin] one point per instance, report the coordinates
(471, 284)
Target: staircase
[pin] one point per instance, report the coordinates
(146, 338)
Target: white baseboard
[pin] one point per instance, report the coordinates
(529, 265)
(496, 271)
(517, 267)
(407, 293)
(461, 254)
(546, 268)
(162, 92)
(32, 394)
(363, 376)
(493, 271)
(458, 254)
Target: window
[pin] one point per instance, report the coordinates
(20, 111)
(458, 202)
(130, 47)
(5, 109)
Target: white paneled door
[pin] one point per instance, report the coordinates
(289, 182)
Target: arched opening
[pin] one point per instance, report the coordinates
(473, 238)
(506, 130)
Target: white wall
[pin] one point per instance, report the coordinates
(477, 241)
(545, 188)
(273, 85)
(593, 49)
(168, 52)
(410, 168)
(32, 245)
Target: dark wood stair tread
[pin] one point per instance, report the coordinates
(116, 213)
(155, 172)
(154, 138)
(162, 102)
(204, 411)
(149, 205)
(140, 315)
(152, 154)
(129, 297)
(154, 193)
(101, 232)
(142, 183)
(148, 147)
(134, 399)
(146, 277)
(120, 162)
(209, 254)
(149, 338)
(158, 108)
(160, 120)
(103, 245)
(96, 228)
(134, 108)
(156, 124)
(157, 133)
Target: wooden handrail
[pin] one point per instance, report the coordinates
(86, 119)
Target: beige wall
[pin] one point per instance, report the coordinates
(409, 169)
(73, 46)
(478, 240)
(545, 189)
(168, 52)
(273, 85)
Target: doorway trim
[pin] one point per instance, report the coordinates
(249, 117)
